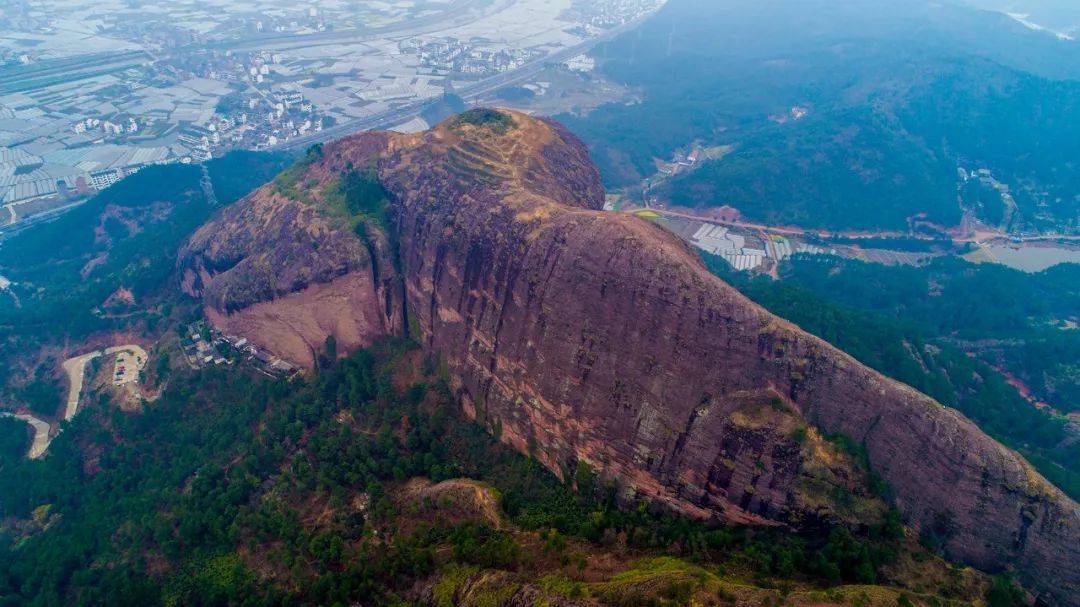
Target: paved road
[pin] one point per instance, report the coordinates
(51, 73)
(470, 93)
(11, 229)
(982, 237)
(68, 65)
(41, 433)
(76, 370)
(459, 13)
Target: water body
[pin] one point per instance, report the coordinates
(1029, 259)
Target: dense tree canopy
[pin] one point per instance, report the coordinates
(843, 114)
(205, 498)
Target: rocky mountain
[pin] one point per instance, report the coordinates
(588, 338)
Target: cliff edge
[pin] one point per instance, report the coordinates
(582, 336)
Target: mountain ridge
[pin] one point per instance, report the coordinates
(584, 337)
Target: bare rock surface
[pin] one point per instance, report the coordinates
(583, 336)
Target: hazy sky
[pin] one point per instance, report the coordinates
(1058, 15)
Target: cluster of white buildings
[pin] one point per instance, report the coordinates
(604, 14)
(721, 241)
(194, 79)
(580, 63)
(222, 349)
(25, 177)
(732, 247)
(451, 56)
(109, 127)
(266, 120)
(259, 67)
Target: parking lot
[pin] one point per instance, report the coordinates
(126, 367)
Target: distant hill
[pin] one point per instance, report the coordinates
(1059, 17)
(891, 102)
(101, 259)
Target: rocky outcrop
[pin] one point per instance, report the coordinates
(582, 336)
(477, 588)
(276, 269)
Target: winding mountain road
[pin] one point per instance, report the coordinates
(42, 429)
(75, 368)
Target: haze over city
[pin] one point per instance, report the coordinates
(573, 303)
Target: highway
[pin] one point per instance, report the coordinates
(461, 12)
(470, 93)
(66, 65)
(57, 71)
(457, 14)
(69, 69)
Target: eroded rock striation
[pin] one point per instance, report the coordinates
(276, 268)
(583, 336)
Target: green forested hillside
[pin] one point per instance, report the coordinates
(236, 490)
(847, 169)
(893, 99)
(14, 441)
(107, 265)
(125, 237)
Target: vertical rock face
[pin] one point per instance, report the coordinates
(582, 336)
(275, 268)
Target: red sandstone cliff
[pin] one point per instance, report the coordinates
(584, 336)
(275, 268)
